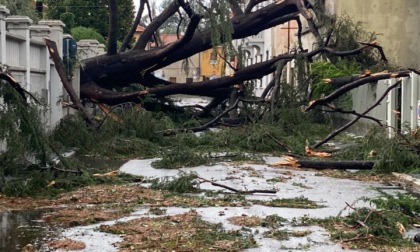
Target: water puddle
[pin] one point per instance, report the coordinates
(19, 228)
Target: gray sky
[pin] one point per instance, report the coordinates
(137, 3)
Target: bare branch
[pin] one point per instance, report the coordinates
(338, 131)
(133, 29)
(155, 24)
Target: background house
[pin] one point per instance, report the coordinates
(212, 64)
(179, 72)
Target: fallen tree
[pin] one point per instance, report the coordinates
(103, 77)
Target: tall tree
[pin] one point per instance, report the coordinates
(21, 7)
(93, 14)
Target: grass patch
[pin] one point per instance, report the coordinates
(390, 155)
(280, 235)
(379, 228)
(299, 202)
(185, 182)
(247, 221)
(182, 232)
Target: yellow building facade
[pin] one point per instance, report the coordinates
(211, 64)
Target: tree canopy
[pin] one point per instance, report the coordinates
(92, 14)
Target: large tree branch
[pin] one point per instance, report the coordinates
(112, 32)
(133, 61)
(52, 49)
(192, 26)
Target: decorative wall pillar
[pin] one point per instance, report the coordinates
(3, 14)
(19, 25)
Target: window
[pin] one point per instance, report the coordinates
(213, 58)
(172, 79)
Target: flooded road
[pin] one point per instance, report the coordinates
(332, 193)
(19, 228)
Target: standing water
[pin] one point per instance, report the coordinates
(19, 228)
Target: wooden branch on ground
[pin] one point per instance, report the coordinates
(338, 131)
(236, 190)
(59, 66)
(326, 164)
(278, 142)
(339, 165)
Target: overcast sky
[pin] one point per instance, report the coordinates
(137, 3)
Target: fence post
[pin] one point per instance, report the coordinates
(415, 81)
(3, 14)
(19, 25)
(405, 113)
(56, 87)
(391, 100)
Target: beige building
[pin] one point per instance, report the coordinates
(395, 21)
(175, 72)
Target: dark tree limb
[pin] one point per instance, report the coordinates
(338, 131)
(278, 142)
(59, 66)
(133, 28)
(113, 29)
(309, 17)
(299, 33)
(192, 26)
(340, 165)
(267, 89)
(155, 24)
(254, 71)
(234, 6)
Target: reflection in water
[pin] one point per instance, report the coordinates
(18, 228)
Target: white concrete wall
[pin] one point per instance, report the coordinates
(23, 51)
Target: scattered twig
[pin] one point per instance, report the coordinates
(358, 238)
(278, 142)
(236, 190)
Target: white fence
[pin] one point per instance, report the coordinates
(23, 51)
(400, 109)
